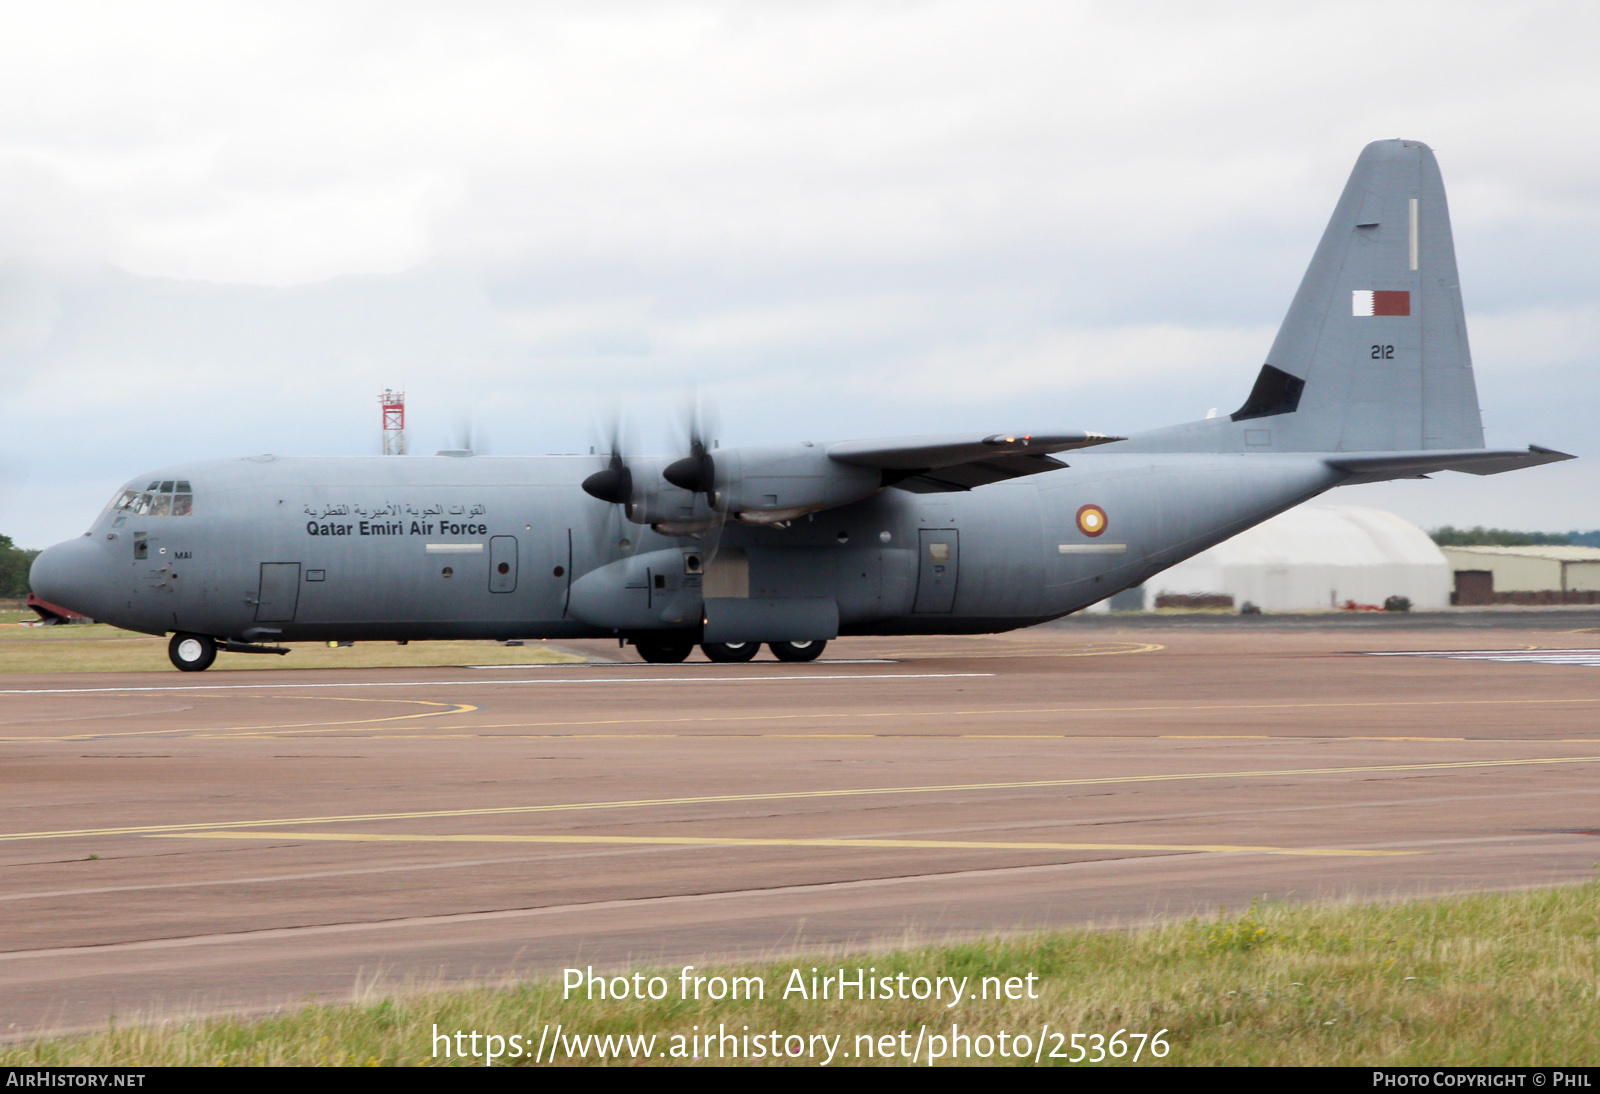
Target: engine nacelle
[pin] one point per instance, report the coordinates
(757, 485)
(770, 485)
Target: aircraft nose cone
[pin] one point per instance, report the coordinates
(70, 575)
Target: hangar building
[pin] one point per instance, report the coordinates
(1524, 575)
(1313, 557)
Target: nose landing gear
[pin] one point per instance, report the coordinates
(192, 652)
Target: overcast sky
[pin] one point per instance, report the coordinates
(224, 228)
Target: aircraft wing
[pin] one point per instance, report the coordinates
(938, 463)
(1381, 466)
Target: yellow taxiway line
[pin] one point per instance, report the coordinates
(798, 795)
(1188, 709)
(212, 731)
(731, 841)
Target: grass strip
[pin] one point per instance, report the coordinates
(1490, 979)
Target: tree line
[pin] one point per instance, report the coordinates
(14, 563)
(1480, 536)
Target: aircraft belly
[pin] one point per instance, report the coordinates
(993, 533)
(1114, 527)
(1063, 541)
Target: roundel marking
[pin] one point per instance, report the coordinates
(1091, 520)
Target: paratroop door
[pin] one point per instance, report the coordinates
(939, 557)
(502, 564)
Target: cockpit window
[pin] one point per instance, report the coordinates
(163, 498)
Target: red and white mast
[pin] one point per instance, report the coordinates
(394, 422)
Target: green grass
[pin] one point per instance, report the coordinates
(99, 647)
(1496, 979)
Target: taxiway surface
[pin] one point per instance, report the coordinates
(174, 843)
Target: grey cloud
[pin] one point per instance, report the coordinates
(223, 233)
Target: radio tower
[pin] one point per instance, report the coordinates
(394, 422)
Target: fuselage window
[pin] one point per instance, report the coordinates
(161, 505)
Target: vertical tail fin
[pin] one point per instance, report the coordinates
(1373, 352)
(1372, 356)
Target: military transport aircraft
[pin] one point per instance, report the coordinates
(790, 545)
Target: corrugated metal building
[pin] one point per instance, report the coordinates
(1524, 575)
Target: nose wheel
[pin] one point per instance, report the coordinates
(192, 652)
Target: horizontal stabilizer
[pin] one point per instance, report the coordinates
(1382, 466)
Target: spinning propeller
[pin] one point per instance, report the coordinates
(649, 493)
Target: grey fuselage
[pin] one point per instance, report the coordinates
(404, 548)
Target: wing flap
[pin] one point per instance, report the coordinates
(967, 476)
(932, 453)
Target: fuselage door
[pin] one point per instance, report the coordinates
(280, 592)
(502, 564)
(939, 557)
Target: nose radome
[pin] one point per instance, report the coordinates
(71, 575)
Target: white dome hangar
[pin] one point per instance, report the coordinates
(1316, 557)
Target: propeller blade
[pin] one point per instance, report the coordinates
(614, 484)
(696, 472)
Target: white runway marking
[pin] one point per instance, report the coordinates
(1536, 657)
(663, 679)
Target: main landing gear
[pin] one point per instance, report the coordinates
(664, 651)
(192, 652)
(730, 652)
(809, 650)
(671, 651)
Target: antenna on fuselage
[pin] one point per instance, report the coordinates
(394, 421)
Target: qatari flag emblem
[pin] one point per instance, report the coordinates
(1380, 302)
